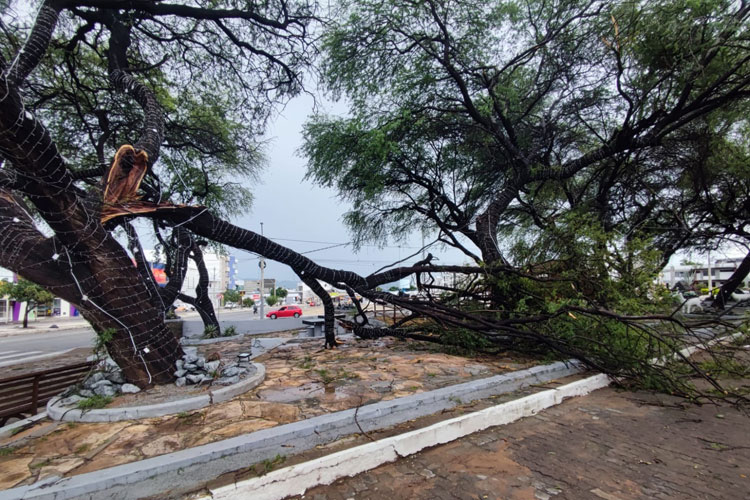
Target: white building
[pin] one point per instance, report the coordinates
(221, 275)
(11, 310)
(721, 270)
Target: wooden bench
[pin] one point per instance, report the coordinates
(25, 394)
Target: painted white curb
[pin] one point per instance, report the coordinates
(56, 411)
(295, 480)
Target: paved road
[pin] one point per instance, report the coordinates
(244, 322)
(40, 343)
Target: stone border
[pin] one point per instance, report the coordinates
(8, 430)
(296, 479)
(170, 475)
(57, 411)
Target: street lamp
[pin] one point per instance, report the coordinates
(262, 265)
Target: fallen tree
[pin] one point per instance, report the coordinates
(577, 289)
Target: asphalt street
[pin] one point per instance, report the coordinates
(41, 342)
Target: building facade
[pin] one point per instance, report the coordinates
(720, 271)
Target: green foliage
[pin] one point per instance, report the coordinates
(103, 338)
(229, 331)
(270, 464)
(26, 291)
(232, 296)
(248, 302)
(462, 341)
(211, 332)
(280, 292)
(94, 402)
(6, 451)
(272, 300)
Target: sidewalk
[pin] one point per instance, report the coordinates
(609, 445)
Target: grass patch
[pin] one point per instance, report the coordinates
(94, 402)
(268, 465)
(41, 464)
(4, 452)
(82, 449)
(327, 377)
(17, 430)
(307, 363)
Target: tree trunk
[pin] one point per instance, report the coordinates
(26, 315)
(330, 321)
(202, 301)
(726, 290)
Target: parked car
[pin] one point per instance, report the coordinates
(285, 312)
(230, 305)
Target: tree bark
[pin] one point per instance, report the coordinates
(732, 284)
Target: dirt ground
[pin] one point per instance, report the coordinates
(610, 445)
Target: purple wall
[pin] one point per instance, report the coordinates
(16, 310)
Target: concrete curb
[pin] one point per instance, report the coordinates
(56, 411)
(187, 470)
(295, 480)
(9, 429)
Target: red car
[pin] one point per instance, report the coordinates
(285, 312)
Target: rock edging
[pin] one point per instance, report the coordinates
(57, 410)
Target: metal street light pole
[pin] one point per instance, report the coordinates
(262, 265)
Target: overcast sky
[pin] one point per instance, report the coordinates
(305, 217)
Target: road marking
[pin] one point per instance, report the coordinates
(34, 357)
(25, 353)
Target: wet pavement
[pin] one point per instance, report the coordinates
(609, 445)
(302, 380)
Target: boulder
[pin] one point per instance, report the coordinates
(212, 366)
(178, 364)
(180, 373)
(105, 390)
(180, 382)
(191, 367)
(116, 377)
(233, 370)
(130, 389)
(101, 383)
(195, 379)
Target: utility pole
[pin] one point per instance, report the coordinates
(262, 265)
(709, 274)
